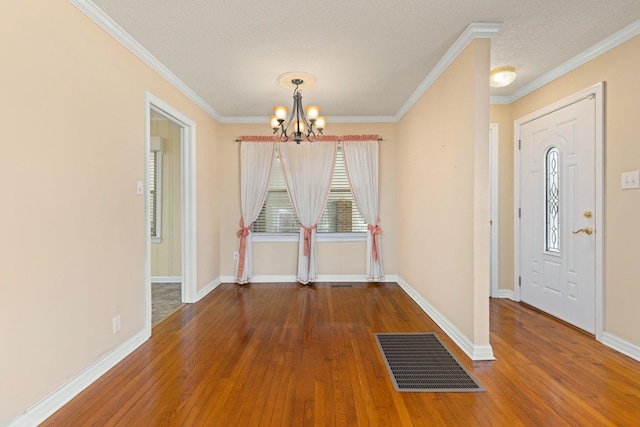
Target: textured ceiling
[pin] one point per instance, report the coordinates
(369, 56)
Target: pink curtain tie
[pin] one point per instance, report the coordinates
(307, 239)
(375, 231)
(242, 234)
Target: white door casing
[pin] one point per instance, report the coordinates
(188, 198)
(559, 262)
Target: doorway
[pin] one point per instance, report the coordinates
(165, 210)
(559, 209)
(170, 243)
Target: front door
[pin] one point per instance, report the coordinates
(557, 216)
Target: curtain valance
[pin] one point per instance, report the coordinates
(320, 138)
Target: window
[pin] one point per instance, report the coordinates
(341, 214)
(155, 196)
(552, 200)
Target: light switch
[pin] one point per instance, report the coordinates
(139, 187)
(630, 180)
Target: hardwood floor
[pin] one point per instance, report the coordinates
(288, 355)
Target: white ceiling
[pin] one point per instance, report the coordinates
(369, 56)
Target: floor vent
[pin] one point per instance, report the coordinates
(420, 362)
(341, 285)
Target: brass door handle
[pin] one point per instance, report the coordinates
(587, 230)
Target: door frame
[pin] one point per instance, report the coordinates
(596, 91)
(187, 199)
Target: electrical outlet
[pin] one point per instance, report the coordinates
(139, 188)
(236, 255)
(116, 324)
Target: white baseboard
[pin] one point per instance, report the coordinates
(204, 291)
(272, 279)
(166, 279)
(352, 278)
(320, 279)
(475, 352)
(624, 347)
(51, 403)
(58, 398)
(507, 293)
(482, 352)
(262, 279)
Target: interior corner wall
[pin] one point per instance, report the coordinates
(619, 70)
(436, 196)
(501, 114)
(73, 228)
(280, 259)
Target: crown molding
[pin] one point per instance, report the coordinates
(361, 119)
(473, 31)
(330, 119)
(114, 30)
(263, 119)
(593, 52)
(494, 100)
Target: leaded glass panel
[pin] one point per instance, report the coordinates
(552, 200)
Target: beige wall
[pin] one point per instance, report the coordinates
(439, 237)
(72, 231)
(619, 69)
(166, 257)
(72, 227)
(280, 259)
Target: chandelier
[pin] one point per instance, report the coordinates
(302, 124)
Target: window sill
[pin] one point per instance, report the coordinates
(156, 240)
(320, 237)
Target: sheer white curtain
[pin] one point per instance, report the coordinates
(361, 160)
(256, 158)
(308, 168)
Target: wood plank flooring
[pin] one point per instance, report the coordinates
(282, 354)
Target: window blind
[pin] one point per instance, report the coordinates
(153, 191)
(341, 214)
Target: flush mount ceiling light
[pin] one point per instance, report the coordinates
(502, 76)
(303, 123)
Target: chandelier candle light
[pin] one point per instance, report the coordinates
(303, 123)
